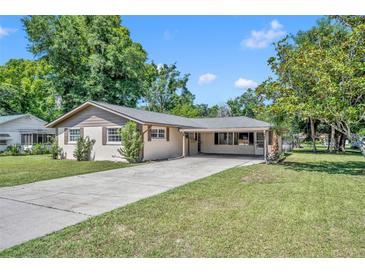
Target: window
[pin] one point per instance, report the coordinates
(26, 139)
(73, 135)
(158, 133)
(35, 138)
(114, 135)
(245, 138)
(2, 142)
(223, 138)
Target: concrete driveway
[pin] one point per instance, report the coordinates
(33, 210)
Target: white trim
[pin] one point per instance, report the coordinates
(158, 129)
(107, 136)
(222, 129)
(69, 142)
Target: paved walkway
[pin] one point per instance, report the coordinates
(33, 210)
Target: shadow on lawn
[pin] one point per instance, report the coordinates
(349, 152)
(356, 168)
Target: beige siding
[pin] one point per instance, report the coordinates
(208, 146)
(93, 117)
(161, 148)
(99, 152)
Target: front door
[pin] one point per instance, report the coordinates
(259, 143)
(199, 143)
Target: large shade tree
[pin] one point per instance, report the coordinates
(246, 104)
(320, 76)
(92, 58)
(25, 88)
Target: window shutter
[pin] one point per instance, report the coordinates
(149, 133)
(216, 138)
(104, 137)
(65, 136)
(81, 132)
(167, 134)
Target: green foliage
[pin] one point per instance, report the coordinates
(83, 149)
(56, 151)
(163, 94)
(13, 150)
(320, 75)
(245, 105)
(38, 149)
(131, 142)
(92, 58)
(25, 88)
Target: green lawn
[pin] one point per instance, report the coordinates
(16, 170)
(311, 205)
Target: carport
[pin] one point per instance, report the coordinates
(226, 141)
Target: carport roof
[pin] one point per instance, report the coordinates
(156, 118)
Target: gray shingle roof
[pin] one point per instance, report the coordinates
(8, 118)
(163, 118)
(230, 122)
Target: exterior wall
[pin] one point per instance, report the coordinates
(100, 152)
(15, 138)
(92, 120)
(208, 146)
(161, 148)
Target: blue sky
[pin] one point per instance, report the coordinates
(223, 54)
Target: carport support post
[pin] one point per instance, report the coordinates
(265, 148)
(183, 145)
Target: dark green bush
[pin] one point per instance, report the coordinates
(83, 149)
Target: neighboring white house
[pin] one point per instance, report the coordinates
(164, 135)
(23, 129)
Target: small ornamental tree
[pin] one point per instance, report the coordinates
(131, 142)
(56, 151)
(83, 149)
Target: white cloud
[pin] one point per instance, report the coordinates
(276, 25)
(245, 83)
(263, 38)
(206, 78)
(5, 31)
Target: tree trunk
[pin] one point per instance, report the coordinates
(338, 142)
(342, 142)
(313, 134)
(332, 142)
(328, 142)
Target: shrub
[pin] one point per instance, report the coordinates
(83, 149)
(275, 157)
(38, 149)
(13, 150)
(131, 142)
(56, 151)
